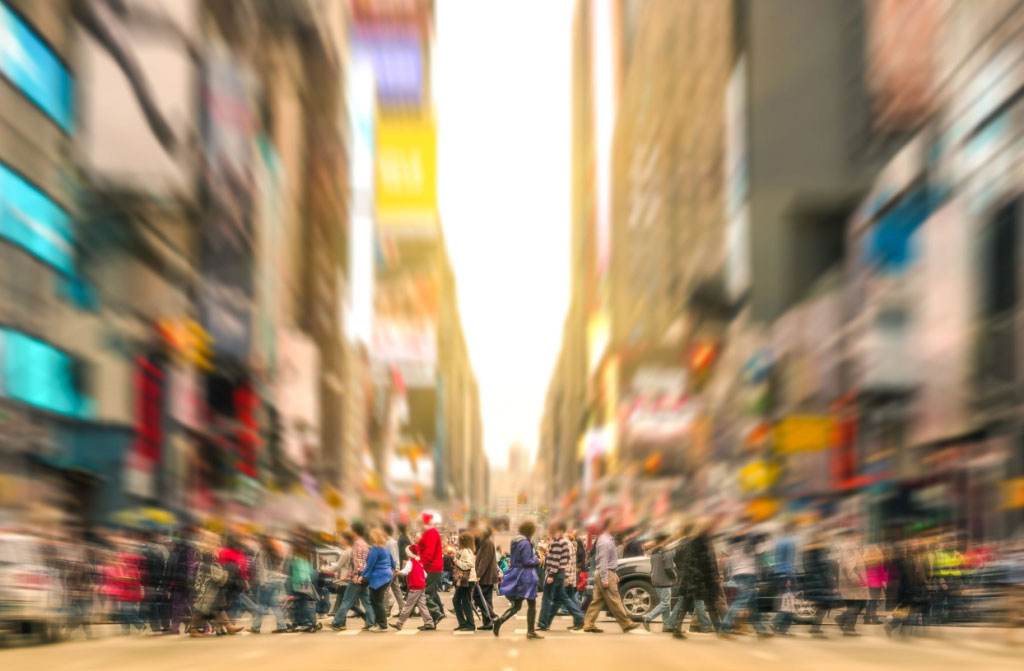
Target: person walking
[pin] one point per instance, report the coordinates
(210, 577)
(403, 542)
(663, 577)
(433, 563)
(300, 585)
(557, 566)
(394, 595)
(128, 589)
(699, 581)
(520, 581)
(341, 570)
(154, 568)
(465, 580)
(876, 570)
(486, 577)
(356, 589)
(268, 569)
(743, 571)
(416, 581)
(377, 574)
(606, 585)
(819, 582)
(235, 592)
(852, 582)
(181, 572)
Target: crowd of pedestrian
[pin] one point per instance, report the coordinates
(202, 583)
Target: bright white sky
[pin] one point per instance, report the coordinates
(502, 85)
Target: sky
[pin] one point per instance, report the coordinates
(502, 85)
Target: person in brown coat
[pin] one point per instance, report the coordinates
(486, 574)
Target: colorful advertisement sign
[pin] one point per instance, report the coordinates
(406, 172)
(35, 70)
(397, 61)
(798, 433)
(405, 319)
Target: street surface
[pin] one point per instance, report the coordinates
(961, 648)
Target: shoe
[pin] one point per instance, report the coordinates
(196, 634)
(253, 631)
(337, 627)
(279, 631)
(424, 627)
(367, 627)
(232, 630)
(630, 628)
(646, 624)
(576, 627)
(725, 636)
(678, 634)
(485, 627)
(497, 627)
(377, 629)
(396, 626)
(317, 626)
(541, 629)
(532, 635)
(594, 630)
(764, 635)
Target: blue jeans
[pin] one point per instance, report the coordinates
(782, 622)
(745, 599)
(554, 593)
(130, 616)
(268, 600)
(354, 591)
(677, 615)
(304, 611)
(664, 605)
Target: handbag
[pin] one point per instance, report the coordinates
(460, 576)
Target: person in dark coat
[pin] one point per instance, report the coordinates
(520, 581)
(911, 592)
(181, 572)
(820, 582)
(486, 576)
(699, 580)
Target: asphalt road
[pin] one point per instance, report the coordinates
(412, 650)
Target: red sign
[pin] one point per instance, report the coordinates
(248, 438)
(149, 394)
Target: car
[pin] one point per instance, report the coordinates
(639, 596)
(30, 592)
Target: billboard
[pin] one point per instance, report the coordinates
(405, 320)
(406, 173)
(227, 256)
(397, 62)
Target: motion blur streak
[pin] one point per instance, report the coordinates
(235, 382)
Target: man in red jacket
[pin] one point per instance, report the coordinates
(433, 563)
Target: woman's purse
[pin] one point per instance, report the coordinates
(460, 576)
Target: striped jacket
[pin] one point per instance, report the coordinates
(559, 556)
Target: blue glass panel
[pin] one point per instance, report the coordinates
(35, 70)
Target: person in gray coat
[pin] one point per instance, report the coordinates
(663, 577)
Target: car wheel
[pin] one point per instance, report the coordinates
(638, 598)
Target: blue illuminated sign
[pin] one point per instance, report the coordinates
(35, 70)
(39, 374)
(31, 220)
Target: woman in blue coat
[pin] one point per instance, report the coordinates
(380, 569)
(520, 580)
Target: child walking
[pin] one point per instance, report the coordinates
(416, 579)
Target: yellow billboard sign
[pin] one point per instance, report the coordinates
(804, 433)
(406, 171)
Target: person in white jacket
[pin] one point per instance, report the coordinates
(465, 562)
(853, 582)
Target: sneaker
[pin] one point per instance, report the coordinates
(678, 634)
(279, 631)
(485, 627)
(630, 628)
(396, 626)
(534, 636)
(376, 629)
(337, 627)
(646, 624)
(576, 627)
(594, 630)
(424, 627)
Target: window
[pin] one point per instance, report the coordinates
(34, 69)
(31, 220)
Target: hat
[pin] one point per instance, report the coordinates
(413, 549)
(426, 517)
